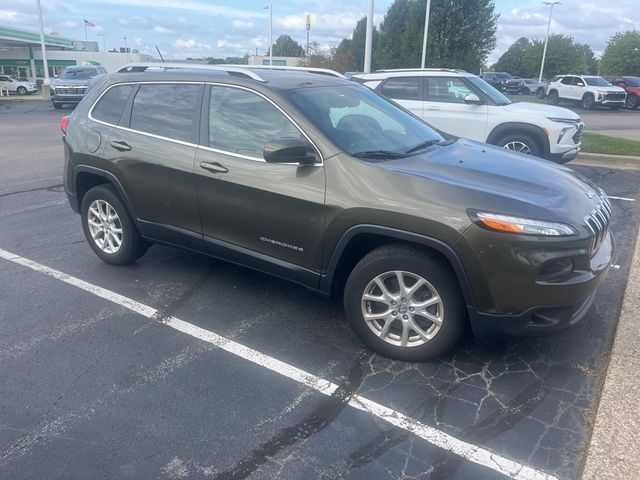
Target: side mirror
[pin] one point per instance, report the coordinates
(472, 99)
(288, 151)
(580, 84)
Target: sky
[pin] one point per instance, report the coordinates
(205, 28)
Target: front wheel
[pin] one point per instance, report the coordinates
(540, 93)
(404, 303)
(632, 102)
(21, 91)
(588, 101)
(108, 227)
(521, 143)
(57, 105)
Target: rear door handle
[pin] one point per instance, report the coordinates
(214, 167)
(433, 109)
(121, 146)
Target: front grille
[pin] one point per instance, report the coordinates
(598, 222)
(617, 97)
(577, 137)
(71, 90)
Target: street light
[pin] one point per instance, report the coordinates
(546, 38)
(426, 31)
(270, 8)
(45, 64)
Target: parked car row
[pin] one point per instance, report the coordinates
(19, 87)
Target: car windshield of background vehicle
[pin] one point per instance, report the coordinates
(495, 96)
(632, 81)
(82, 74)
(359, 121)
(596, 82)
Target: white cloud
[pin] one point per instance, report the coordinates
(191, 44)
(241, 24)
(161, 30)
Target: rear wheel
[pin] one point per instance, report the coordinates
(540, 93)
(588, 101)
(553, 97)
(521, 143)
(404, 303)
(108, 227)
(632, 102)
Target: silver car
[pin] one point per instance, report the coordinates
(71, 85)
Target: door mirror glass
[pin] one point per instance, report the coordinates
(472, 99)
(288, 151)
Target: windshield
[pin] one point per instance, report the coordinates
(497, 97)
(596, 82)
(503, 76)
(632, 81)
(363, 123)
(530, 80)
(79, 74)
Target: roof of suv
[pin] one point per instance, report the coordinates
(273, 79)
(413, 72)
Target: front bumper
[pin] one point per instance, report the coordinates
(564, 157)
(513, 299)
(66, 98)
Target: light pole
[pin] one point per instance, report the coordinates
(45, 64)
(368, 39)
(270, 8)
(546, 38)
(426, 31)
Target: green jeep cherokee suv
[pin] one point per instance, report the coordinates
(319, 180)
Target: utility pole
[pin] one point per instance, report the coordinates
(47, 81)
(426, 32)
(126, 50)
(270, 8)
(546, 38)
(368, 39)
(308, 26)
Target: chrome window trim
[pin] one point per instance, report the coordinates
(205, 147)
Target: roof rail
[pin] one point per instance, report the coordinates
(144, 66)
(388, 70)
(321, 71)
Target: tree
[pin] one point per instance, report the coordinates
(461, 34)
(285, 46)
(334, 58)
(512, 61)
(353, 47)
(592, 62)
(622, 54)
(564, 56)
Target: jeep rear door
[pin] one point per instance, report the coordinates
(266, 215)
(152, 153)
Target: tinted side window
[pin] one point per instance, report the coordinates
(166, 110)
(567, 81)
(407, 88)
(447, 89)
(243, 122)
(110, 106)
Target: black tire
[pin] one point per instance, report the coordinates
(588, 101)
(132, 246)
(540, 93)
(57, 105)
(632, 102)
(553, 98)
(405, 258)
(524, 91)
(21, 91)
(526, 139)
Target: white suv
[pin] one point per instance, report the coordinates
(587, 90)
(464, 105)
(13, 85)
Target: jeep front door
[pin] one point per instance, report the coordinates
(251, 210)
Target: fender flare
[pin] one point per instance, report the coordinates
(512, 127)
(110, 178)
(445, 250)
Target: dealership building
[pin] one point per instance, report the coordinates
(21, 54)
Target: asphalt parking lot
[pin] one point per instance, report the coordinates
(109, 372)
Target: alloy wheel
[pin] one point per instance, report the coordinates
(517, 146)
(402, 308)
(105, 226)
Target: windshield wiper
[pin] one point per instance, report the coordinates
(379, 154)
(420, 146)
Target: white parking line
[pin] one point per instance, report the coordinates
(468, 451)
(624, 199)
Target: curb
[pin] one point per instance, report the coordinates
(614, 450)
(603, 156)
(622, 162)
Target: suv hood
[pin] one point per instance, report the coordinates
(609, 89)
(71, 81)
(494, 179)
(526, 108)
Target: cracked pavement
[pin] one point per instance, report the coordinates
(89, 389)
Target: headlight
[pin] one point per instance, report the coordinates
(523, 226)
(563, 132)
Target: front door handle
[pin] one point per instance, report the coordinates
(433, 109)
(214, 167)
(121, 146)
